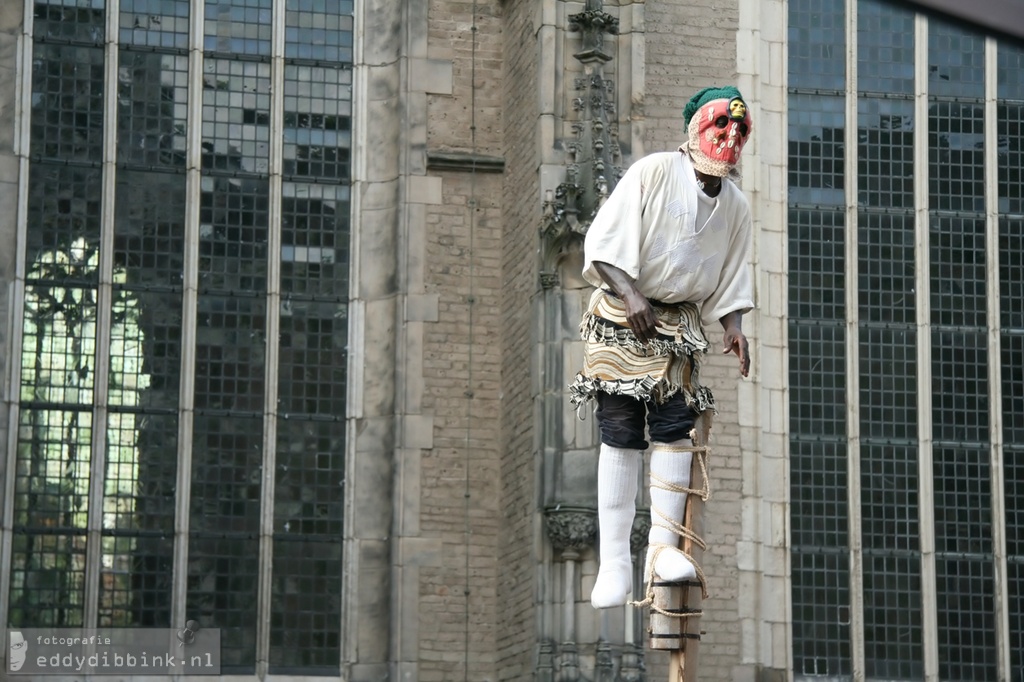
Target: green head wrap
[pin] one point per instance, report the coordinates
(708, 95)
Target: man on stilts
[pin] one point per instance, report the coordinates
(669, 253)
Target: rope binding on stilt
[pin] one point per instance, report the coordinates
(704, 493)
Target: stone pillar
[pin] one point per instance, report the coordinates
(590, 96)
(376, 208)
(11, 16)
(762, 553)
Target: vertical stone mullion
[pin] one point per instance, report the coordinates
(852, 290)
(104, 317)
(266, 547)
(995, 386)
(190, 295)
(922, 305)
(12, 387)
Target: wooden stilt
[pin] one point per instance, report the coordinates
(675, 616)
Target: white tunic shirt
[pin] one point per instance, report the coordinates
(655, 229)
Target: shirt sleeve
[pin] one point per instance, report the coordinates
(735, 290)
(614, 235)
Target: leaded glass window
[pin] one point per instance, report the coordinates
(185, 324)
(905, 361)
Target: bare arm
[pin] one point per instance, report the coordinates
(735, 341)
(639, 312)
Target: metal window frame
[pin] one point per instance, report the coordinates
(1000, 16)
(926, 501)
(190, 292)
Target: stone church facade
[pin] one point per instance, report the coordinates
(290, 294)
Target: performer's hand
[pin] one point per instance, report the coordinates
(736, 342)
(640, 316)
(639, 313)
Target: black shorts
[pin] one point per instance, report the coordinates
(621, 420)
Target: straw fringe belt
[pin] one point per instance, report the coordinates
(616, 362)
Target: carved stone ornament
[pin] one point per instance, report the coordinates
(593, 23)
(571, 529)
(604, 666)
(639, 532)
(594, 168)
(545, 662)
(632, 669)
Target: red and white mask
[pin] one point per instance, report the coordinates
(717, 134)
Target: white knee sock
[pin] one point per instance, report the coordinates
(667, 506)
(617, 472)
